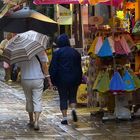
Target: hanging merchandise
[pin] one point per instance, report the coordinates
(129, 41)
(103, 85)
(129, 82)
(91, 76)
(136, 29)
(116, 83)
(125, 45)
(135, 79)
(111, 42)
(119, 50)
(130, 4)
(98, 44)
(98, 78)
(105, 49)
(92, 47)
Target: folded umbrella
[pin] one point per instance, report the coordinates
(24, 46)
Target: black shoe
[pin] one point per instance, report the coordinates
(65, 122)
(74, 116)
(30, 124)
(36, 126)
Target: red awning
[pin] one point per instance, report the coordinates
(115, 3)
(59, 2)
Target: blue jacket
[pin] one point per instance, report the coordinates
(65, 67)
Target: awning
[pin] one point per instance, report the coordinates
(37, 2)
(115, 3)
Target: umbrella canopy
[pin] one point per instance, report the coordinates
(24, 46)
(26, 19)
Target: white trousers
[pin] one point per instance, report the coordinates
(33, 90)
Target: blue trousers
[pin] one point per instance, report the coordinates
(67, 96)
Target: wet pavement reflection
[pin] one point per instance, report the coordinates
(14, 119)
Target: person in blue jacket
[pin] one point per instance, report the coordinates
(66, 74)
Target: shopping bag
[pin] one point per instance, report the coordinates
(82, 94)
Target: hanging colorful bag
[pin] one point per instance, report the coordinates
(105, 49)
(98, 78)
(136, 81)
(92, 47)
(116, 83)
(129, 82)
(98, 44)
(103, 85)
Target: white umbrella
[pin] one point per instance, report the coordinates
(24, 46)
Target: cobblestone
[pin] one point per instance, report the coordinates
(14, 119)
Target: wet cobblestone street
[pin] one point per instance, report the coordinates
(14, 119)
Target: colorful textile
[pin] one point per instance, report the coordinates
(116, 83)
(125, 45)
(129, 82)
(98, 78)
(105, 49)
(103, 85)
(119, 48)
(136, 81)
(129, 40)
(136, 29)
(111, 42)
(92, 47)
(98, 44)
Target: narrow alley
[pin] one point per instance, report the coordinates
(14, 119)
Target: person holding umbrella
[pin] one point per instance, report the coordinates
(27, 51)
(32, 82)
(66, 74)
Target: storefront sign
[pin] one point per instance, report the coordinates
(64, 16)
